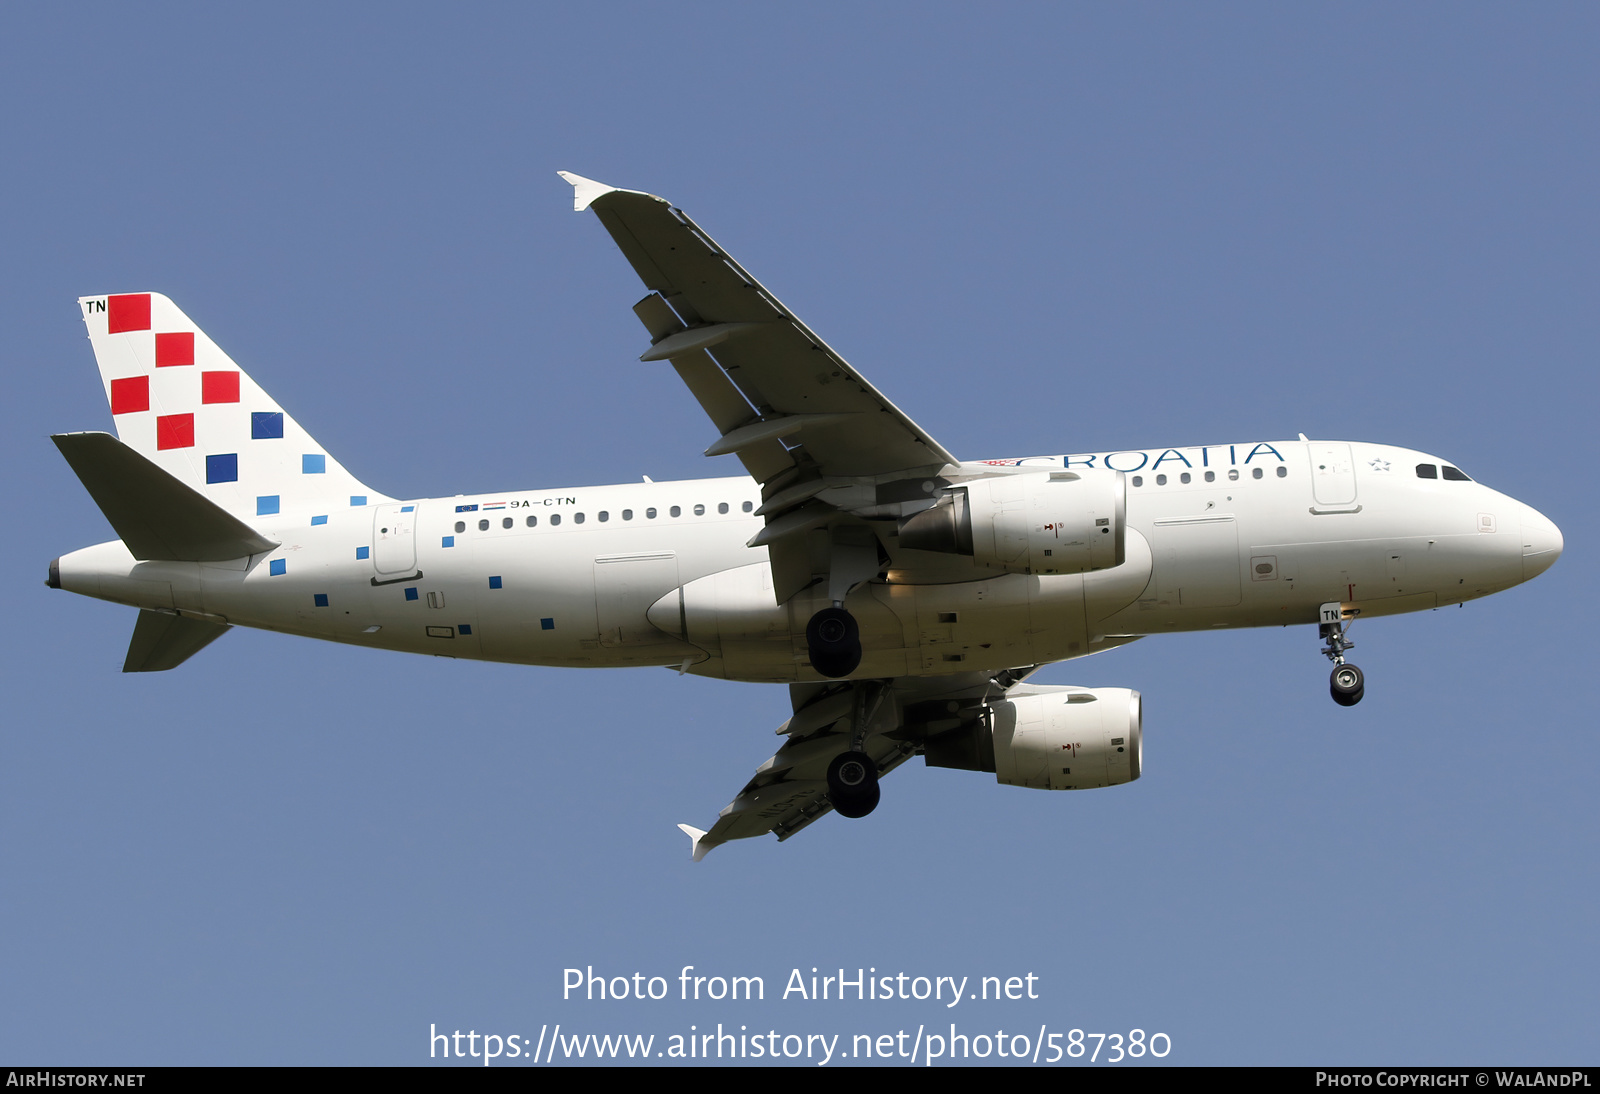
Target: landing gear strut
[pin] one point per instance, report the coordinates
(834, 642)
(1346, 683)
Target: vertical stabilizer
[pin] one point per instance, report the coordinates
(182, 403)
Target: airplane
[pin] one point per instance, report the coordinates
(905, 596)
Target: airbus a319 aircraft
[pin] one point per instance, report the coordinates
(904, 595)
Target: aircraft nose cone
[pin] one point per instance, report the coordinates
(1541, 543)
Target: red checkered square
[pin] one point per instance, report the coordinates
(125, 313)
(174, 349)
(174, 431)
(130, 395)
(219, 387)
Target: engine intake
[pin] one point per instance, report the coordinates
(1050, 738)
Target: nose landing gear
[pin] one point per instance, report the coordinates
(1346, 683)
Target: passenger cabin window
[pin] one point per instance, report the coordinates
(699, 510)
(1255, 472)
(483, 526)
(1138, 480)
(1454, 474)
(577, 518)
(676, 511)
(1161, 480)
(1427, 471)
(748, 506)
(461, 526)
(1211, 476)
(627, 514)
(1233, 474)
(650, 514)
(722, 507)
(531, 521)
(507, 522)
(555, 518)
(604, 516)
(1283, 472)
(1184, 478)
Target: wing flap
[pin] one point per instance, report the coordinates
(723, 403)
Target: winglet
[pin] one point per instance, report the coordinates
(698, 844)
(584, 191)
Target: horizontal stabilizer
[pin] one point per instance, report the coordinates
(154, 514)
(162, 641)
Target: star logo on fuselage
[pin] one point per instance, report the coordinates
(1379, 465)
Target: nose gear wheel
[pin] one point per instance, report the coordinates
(1347, 685)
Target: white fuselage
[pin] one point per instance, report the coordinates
(660, 574)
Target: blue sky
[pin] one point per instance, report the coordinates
(1036, 228)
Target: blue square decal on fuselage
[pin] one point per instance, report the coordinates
(278, 567)
(363, 552)
(266, 425)
(547, 624)
(266, 505)
(313, 464)
(411, 594)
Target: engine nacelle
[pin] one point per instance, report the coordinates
(1047, 522)
(1050, 738)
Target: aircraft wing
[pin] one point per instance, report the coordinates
(799, 417)
(796, 386)
(790, 791)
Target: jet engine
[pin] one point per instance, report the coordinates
(1047, 522)
(1049, 738)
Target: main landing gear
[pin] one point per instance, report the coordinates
(1346, 683)
(834, 642)
(853, 775)
(853, 784)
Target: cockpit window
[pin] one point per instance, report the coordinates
(1427, 471)
(1455, 474)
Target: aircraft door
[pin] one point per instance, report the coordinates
(394, 541)
(624, 588)
(1197, 561)
(1333, 473)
